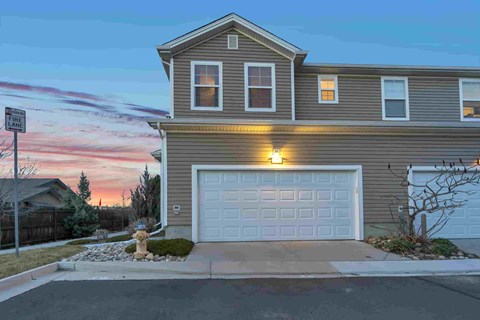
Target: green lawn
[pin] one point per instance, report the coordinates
(29, 259)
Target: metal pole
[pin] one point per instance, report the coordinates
(15, 194)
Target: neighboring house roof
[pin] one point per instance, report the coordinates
(30, 188)
(223, 24)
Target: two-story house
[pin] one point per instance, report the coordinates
(261, 146)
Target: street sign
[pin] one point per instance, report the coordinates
(15, 120)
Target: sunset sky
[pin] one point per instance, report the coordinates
(88, 74)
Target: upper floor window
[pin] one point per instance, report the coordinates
(260, 87)
(206, 86)
(470, 99)
(395, 98)
(327, 89)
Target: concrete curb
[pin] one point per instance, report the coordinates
(407, 268)
(28, 275)
(171, 268)
(271, 268)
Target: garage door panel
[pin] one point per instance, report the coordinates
(277, 205)
(464, 222)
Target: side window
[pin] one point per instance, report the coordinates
(395, 98)
(470, 99)
(206, 86)
(327, 89)
(260, 87)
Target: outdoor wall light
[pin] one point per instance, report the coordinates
(276, 157)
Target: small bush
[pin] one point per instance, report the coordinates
(400, 246)
(123, 237)
(81, 241)
(101, 234)
(173, 247)
(443, 247)
(148, 222)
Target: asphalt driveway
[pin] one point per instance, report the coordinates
(341, 298)
(289, 251)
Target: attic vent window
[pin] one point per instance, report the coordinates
(232, 41)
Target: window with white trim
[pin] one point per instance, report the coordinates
(260, 87)
(327, 89)
(206, 86)
(395, 98)
(470, 99)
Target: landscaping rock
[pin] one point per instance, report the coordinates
(116, 252)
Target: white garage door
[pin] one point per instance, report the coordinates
(464, 222)
(276, 205)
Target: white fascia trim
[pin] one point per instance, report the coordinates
(327, 76)
(292, 85)
(359, 227)
(164, 180)
(274, 85)
(172, 90)
(220, 85)
(407, 102)
(228, 19)
(460, 87)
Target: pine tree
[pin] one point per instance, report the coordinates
(146, 196)
(84, 188)
(85, 219)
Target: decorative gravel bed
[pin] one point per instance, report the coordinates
(116, 252)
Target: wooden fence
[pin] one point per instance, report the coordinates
(47, 225)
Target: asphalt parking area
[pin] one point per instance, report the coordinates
(340, 298)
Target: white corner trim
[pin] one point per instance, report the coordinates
(220, 85)
(407, 100)
(460, 87)
(325, 77)
(164, 181)
(172, 90)
(359, 227)
(292, 85)
(246, 87)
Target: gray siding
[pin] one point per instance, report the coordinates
(434, 99)
(372, 152)
(360, 98)
(249, 50)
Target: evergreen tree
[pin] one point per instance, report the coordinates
(84, 221)
(146, 196)
(84, 188)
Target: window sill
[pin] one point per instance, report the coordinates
(259, 110)
(206, 108)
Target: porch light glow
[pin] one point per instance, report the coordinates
(276, 157)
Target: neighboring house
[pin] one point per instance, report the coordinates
(243, 100)
(34, 193)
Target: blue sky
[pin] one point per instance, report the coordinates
(107, 49)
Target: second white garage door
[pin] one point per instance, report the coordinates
(464, 222)
(276, 205)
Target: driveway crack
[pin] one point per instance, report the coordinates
(290, 251)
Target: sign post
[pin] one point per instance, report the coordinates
(15, 121)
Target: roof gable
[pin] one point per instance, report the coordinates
(223, 24)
